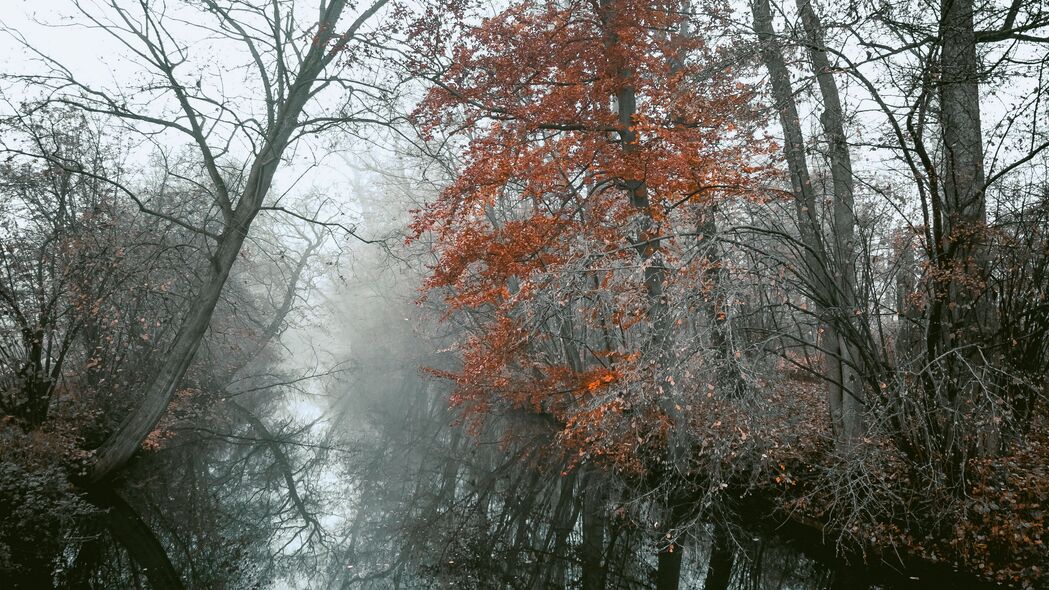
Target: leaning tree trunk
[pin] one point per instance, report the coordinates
(848, 315)
(135, 536)
(118, 449)
(823, 287)
(133, 430)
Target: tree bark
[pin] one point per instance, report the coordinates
(133, 430)
(729, 377)
(908, 335)
(967, 310)
(849, 311)
(648, 246)
(561, 525)
(722, 558)
(825, 290)
(964, 209)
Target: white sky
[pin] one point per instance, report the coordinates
(99, 60)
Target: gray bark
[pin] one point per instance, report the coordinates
(849, 309)
(907, 346)
(729, 378)
(841, 378)
(595, 522)
(649, 248)
(133, 430)
(964, 210)
(561, 525)
(968, 315)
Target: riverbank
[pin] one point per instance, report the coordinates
(873, 509)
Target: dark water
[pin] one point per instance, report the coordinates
(771, 560)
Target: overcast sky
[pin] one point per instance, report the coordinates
(98, 59)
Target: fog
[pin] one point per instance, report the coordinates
(535, 295)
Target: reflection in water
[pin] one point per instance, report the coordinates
(437, 506)
(745, 560)
(749, 560)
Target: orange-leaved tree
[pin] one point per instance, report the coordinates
(598, 137)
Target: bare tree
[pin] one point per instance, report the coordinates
(294, 64)
(828, 273)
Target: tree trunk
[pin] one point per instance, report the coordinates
(118, 449)
(649, 248)
(561, 525)
(668, 572)
(964, 209)
(844, 403)
(849, 311)
(135, 427)
(968, 311)
(964, 203)
(908, 335)
(729, 378)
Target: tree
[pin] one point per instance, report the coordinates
(829, 272)
(503, 235)
(228, 150)
(290, 79)
(601, 137)
(929, 222)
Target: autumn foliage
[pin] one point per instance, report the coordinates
(598, 144)
(542, 240)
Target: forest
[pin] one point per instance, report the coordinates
(524, 294)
